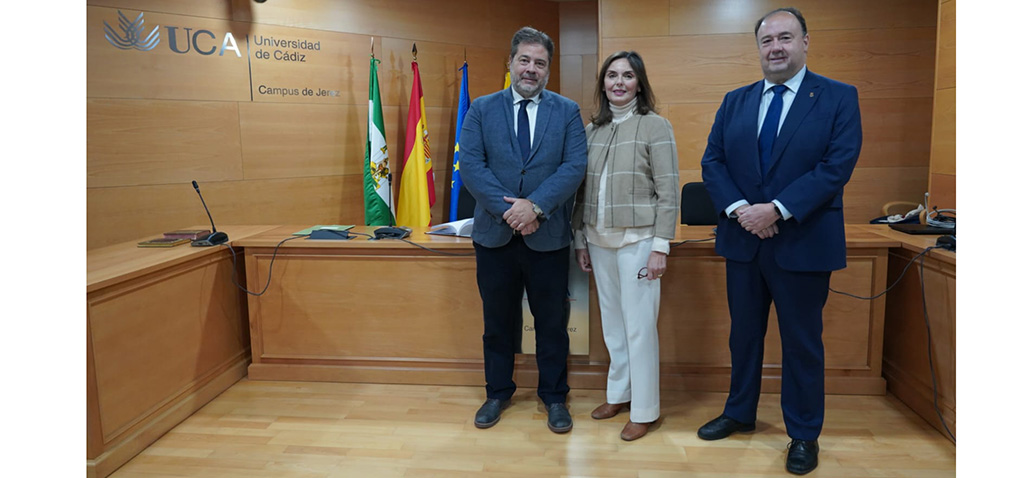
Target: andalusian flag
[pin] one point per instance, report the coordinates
(416, 193)
(376, 172)
(453, 212)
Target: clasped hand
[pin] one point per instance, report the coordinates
(759, 219)
(520, 216)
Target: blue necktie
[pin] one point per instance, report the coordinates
(770, 128)
(524, 130)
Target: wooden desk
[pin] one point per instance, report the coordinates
(166, 334)
(389, 312)
(905, 356)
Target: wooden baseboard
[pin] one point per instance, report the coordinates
(584, 377)
(126, 449)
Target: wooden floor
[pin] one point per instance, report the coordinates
(326, 430)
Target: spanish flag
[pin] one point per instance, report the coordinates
(416, 193)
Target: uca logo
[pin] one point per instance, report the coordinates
(132, 34)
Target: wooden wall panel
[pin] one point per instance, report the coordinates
(404, 18)
(573, 76)
(942, 180)
(296, 140)
(199, 8)
(145, 142)
(691, 123)
(943, 159)
(622, 18)
(898, 64)
(945, 75)
(896, 132)
(508, 16)
(161, 73)
(702, 17)
(463, 22)
(870, 188)
(578, 28)
(699, 69)
(579, 63)
(942, 189)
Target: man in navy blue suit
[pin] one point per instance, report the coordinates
(523, 154)
(778, 156)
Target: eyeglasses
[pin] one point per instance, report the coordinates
(642, 274)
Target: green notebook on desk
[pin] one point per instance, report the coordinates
(307, 231)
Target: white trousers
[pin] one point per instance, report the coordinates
(629, 317)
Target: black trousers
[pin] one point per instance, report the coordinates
(502, 273)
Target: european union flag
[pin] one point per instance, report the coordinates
(453, 214)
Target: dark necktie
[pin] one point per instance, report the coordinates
(770, 128)
(524, 130)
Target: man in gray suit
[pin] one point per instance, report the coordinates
(523, 154)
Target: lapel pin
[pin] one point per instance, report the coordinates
(812, 94)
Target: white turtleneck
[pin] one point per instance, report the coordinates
(624, 112)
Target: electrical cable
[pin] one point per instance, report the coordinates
(437, 251)
(897, 281)
(684, 241)
(270, 273)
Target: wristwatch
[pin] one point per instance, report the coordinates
(537, 210)
(777, 210)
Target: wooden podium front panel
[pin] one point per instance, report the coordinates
(386, 311)
(160, 346)
(694, 321)
(906, 364)
(365, 307)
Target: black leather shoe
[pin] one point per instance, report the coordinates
(802, 457)
(559, 420)
(722, 427)
(490, 412)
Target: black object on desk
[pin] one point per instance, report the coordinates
(329, 234)
(923, 229)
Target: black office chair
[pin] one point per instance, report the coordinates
(466, 204)
(695, 206)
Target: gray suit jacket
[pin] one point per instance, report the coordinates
(491, 166)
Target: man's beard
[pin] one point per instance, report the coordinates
(518, 84)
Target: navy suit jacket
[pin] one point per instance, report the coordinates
(812, 160)
(491, 167)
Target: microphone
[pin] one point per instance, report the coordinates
(214, 238)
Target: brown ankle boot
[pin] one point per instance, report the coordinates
(632, 431)
(608, 410)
